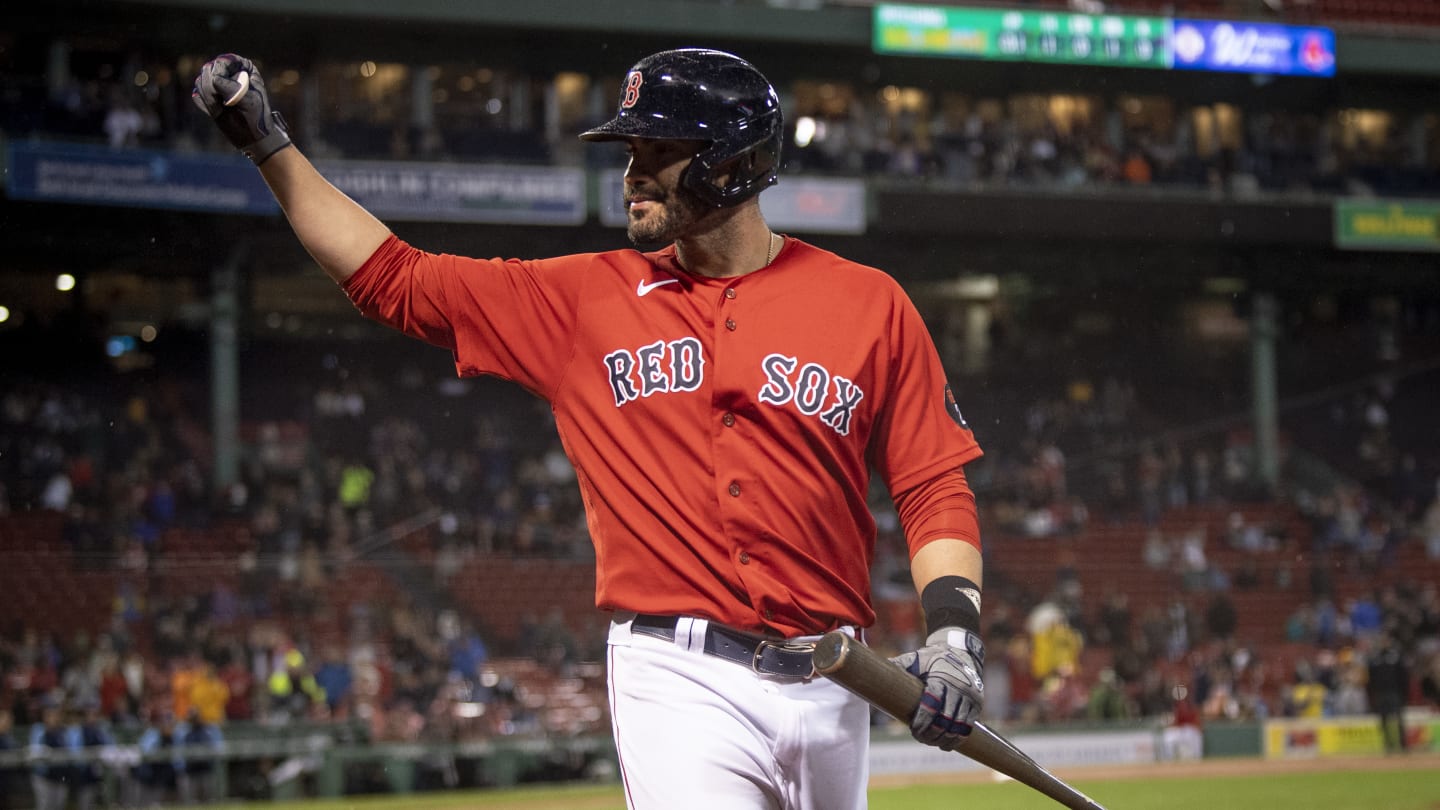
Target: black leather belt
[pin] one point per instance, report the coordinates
(766, 656)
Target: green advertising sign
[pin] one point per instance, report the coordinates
(1032, 36)
(1387, 225)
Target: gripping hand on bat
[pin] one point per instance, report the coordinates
(229, 89)
(950, 666)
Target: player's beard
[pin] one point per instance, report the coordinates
(678, 210)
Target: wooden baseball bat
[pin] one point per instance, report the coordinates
(896, 692)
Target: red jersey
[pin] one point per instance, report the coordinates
(722, 429)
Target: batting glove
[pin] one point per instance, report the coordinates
(949, 664)
(242, 113)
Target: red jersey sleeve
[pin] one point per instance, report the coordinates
(510, 318)
(920, 433)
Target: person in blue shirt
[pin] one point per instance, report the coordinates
(161, 766)
(197, 780)
(50, 741)
(468, 654)
(91, 736)
(336, 678)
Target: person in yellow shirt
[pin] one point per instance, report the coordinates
(293, 690)
(208, 695)
(182, 677)
(1055, 647)
(1307, 696)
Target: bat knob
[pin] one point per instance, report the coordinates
(829, 652)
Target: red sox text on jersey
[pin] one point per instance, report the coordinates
(677, 366)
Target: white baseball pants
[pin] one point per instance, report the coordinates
(697, 732)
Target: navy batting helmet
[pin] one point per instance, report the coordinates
(701, 94)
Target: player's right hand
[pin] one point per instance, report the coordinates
(248, 121)
(949, 664)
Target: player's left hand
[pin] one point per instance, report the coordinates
(950, 664)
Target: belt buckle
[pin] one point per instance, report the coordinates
(784, 645)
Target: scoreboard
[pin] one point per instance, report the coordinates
(1112, 40)
(1032, 36)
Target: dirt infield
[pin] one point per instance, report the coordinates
(1199, 769)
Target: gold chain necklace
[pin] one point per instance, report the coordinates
(770, 252)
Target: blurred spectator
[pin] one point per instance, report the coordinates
(209, 695)
(1389, 688)
(239, 685)
(92, 736)
(1430, 527)
(113, 692)
(1136, 168)
(132, 667)
(1306, 697)
(1181, 739)
(1024, 688)
(1107, 701)
(8, 744)
(292, 687)
(1158, 551)
(50, 781)
(198, 780)
(1430, 682)
(1055, 645)
(467, 654)
(123, 121)
(183, 674)
(1366, 620)
(335, 679)
(160, 775)
(1350, 697)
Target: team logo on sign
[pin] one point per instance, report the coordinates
(633, 80)
(953, 408)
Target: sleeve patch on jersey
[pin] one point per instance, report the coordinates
(953, 408)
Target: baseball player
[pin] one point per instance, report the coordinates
(723, 398)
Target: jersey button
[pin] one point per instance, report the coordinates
(734, 490)
(769, 614)
(730, 324)
(744, 558)
(730, 292)
(728, 419)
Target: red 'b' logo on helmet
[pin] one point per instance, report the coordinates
(632, 89)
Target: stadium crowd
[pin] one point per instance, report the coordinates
(1024, 141)
(125, 462)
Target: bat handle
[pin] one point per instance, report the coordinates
(896, 692)
(871, 676)
(243, 77)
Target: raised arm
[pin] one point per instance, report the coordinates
(337, 232)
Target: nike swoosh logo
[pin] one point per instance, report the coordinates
(642, 289)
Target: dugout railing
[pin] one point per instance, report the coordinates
(317, 763)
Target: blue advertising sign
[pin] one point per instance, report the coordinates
(452, 192)
(94, 175)
(229, 184)
(1253, 48)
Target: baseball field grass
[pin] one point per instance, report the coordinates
(1409, 783)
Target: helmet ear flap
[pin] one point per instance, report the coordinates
(727, 173)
